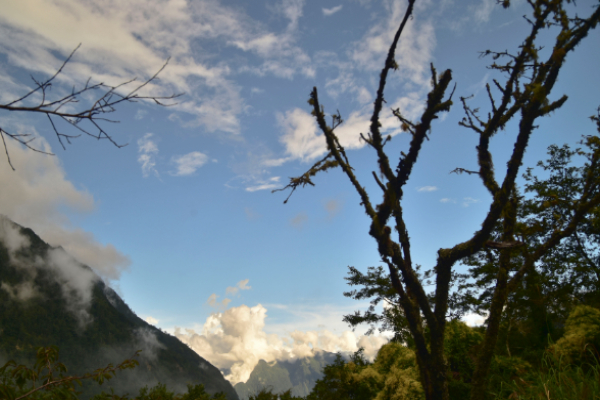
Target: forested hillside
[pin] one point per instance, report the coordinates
(48, 298)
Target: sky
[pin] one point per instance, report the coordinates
(182, 221)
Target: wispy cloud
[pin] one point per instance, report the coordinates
(427, 189)
(133, 38)
(147, 158)
(417, 45)
(299, 220)
(467, 201)
(219, 305)
(332, 207)
(241, 285)
(271, 183)
(187, 164)
(330, 11)
(447, 200)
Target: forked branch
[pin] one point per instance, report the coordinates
(68, 109)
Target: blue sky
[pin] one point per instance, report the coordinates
(182, 220)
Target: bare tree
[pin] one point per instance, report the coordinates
(524, 95)
(74, 109)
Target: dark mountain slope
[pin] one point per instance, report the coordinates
(48, 298)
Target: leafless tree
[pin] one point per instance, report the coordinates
(74, 109)
(523, 94)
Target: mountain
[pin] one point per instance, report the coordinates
(49, 298)
(300, 375)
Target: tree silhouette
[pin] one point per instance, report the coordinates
(522, 94)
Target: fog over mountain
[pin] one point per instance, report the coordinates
(49, 298)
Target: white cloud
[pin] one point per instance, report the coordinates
(484, 11)
(235, 340)
(40, 193)
(187, 164)
(122, 39)
(414, 51)
(269, 184)
(303, 141)
(330, 11)
(292, 10)
(148, 150)
(151, 320)
(140, 114)
(447, 200)
(467, 201)
(474, 319)
(427, 189)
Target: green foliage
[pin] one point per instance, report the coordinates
(557, 379)
(340, 381)
(460, 347)
(392, 376)
(267, 394)
(582, 336)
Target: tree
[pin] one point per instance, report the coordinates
(567, 275)
(69, 107)
(523, 94)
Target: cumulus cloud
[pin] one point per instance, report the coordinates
(40, 193)
(147, 158)
(235, 340)
(330, 11)
(187, 164)
(151, 320)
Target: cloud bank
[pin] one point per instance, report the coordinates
(235, 340)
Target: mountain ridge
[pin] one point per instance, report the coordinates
(300, 375)
(49, 298)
